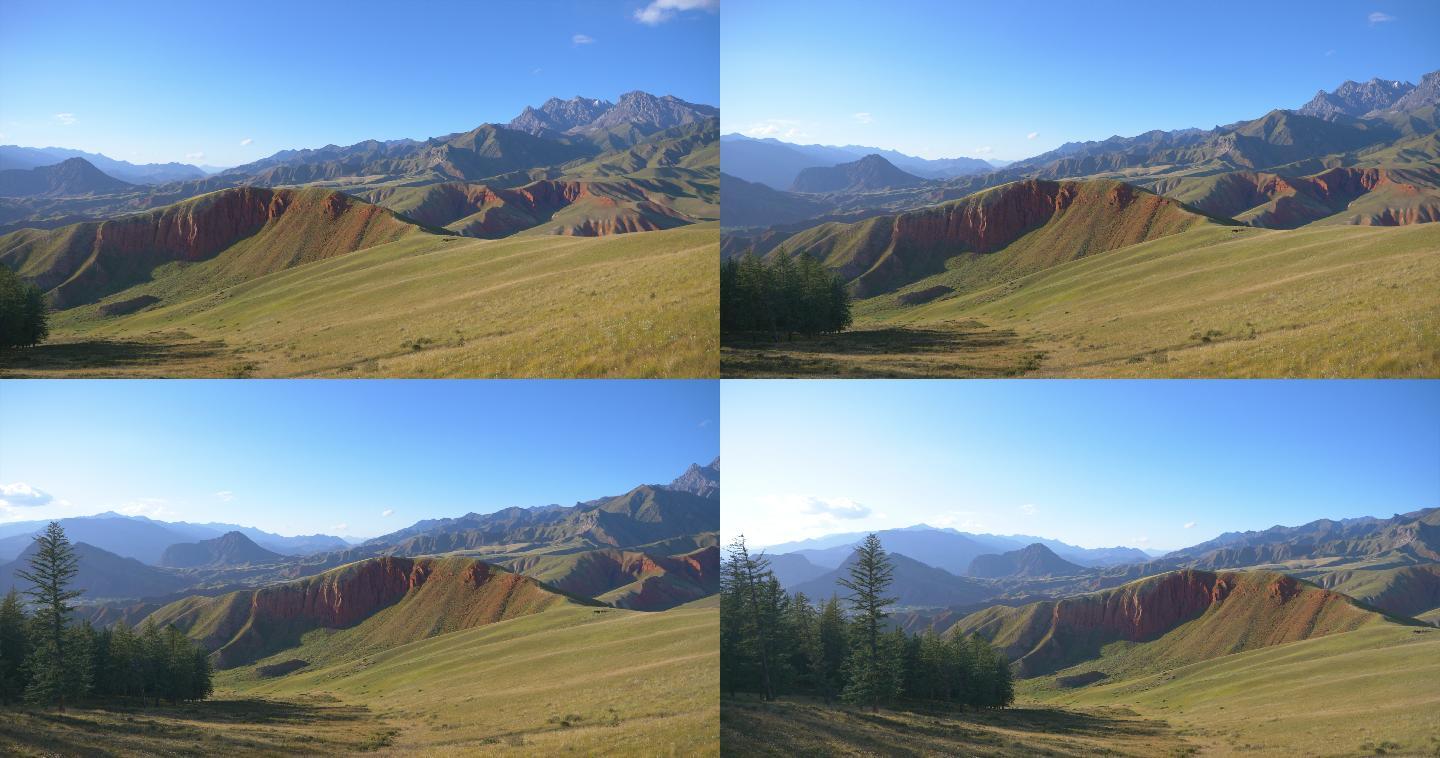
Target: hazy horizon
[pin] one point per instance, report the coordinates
(355, 458)
(937, 81)
(200, 84)
(1151, 465)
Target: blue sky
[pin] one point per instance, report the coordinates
(174, 80)
(1151, 464)
(348, 457)
(942, 79)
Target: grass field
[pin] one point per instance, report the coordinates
(632, 305)
(1373, 691)
(565, 682)
(1213, 302)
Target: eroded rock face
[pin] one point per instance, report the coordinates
(346, 599)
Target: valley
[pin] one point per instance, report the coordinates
(1155, 656)
(1298, 244)
(557, 245)
(558, 628)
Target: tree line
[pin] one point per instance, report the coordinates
(47, 660)
(774, 643)
(24, 316)
(787, 295)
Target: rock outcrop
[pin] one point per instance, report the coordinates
(428, 596)
(1081, 218)
(1198, 615)
(82, 263)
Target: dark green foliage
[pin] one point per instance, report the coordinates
(14, 649)
(774, 644)
(789, 295)
(24, 317)
(48, 660)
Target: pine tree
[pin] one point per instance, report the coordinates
(832, 644)
(870, 578)
(748, 577)
(14, 648)
(54, 673)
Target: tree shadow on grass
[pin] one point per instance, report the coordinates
(959, 348)
(802, 727)
(215, 727)
(106, 355)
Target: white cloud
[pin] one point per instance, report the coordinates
(776, 127)
(965, 521)
(660, 11)
(582, 39)
(1032, 135)
(150, 507)
(536, 71)
(340, 527)
(984, 150)
(65, 119)
(1329, 53)
(194, 156)
(225, 495)
(387, 512)
(1028, 509)
(22, 495)
(1140, 540)
(863, 117)
(1379, 18)
(2, 135)
(840, 507)
(1189, 524)
(245, 142)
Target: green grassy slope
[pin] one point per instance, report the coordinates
(999, 233)
(1363, 692)
(566, 681)
(368, 605)
(1237, 302)
(198, 245)
(635, 305)
(577, 680)
(1165, 620)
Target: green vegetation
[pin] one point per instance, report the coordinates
(633, 305)
(1212, 302)
(24, 317)
(774, 644)
(52, 661)
(786, 296)
(1366, 692)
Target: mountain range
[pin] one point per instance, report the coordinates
(1389, 563)
(16, 157)
(1017, 252)
(651, 548)
(777, 164)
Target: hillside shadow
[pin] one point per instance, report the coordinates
(897, 339)
(217, 727)
(106, 355)
(967, 348)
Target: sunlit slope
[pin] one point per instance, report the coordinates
(581, 680)
(1166, 620)
(1318, 301)
(1355, 693)
(207, 242)
(372, 604)
(629, 305)
(999, 233)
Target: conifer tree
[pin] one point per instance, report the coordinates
(14, 648)
(55, 674)
(869, 579)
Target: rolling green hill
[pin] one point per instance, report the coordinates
(370, 605)
(566, 680)
(241, 233)
(637, 305)
(1000, 233)
(1165, 621)
(1211, 302)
